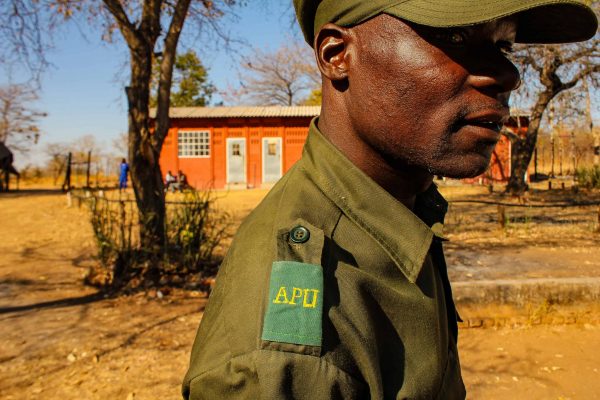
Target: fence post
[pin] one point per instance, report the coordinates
(87, 172)
(69, 200)
(123, 216)
(67, 183)
(502, 216)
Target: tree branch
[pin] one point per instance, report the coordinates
(150, 25)
(166, 71)
(590, 50)
(128, 30)
(585, 72)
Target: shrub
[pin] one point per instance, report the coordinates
(588, 177)
(194, 231)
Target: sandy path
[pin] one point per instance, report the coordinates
(59, 342)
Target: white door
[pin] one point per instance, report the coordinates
(271, 152)
(236, 160)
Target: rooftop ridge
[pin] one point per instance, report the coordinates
(241, 111)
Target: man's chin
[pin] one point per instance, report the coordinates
(462, 171)
(467, 163)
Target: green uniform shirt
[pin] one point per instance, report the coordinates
(332, 289)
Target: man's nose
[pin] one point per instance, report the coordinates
(494, 73)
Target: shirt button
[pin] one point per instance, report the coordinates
(299, 234)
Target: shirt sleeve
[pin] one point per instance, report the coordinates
(268, 374)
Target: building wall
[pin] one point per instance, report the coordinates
(211, 171)
(500, 163)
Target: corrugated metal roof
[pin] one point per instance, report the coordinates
(232, 112)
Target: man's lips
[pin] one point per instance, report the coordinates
(491, 119)
(496, 127)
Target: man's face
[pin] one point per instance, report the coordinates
(431, 98)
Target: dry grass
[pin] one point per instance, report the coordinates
(478, 224)
(59, 342)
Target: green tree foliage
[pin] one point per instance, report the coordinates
(191, 87)
(315, 98)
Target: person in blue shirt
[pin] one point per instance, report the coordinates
(123, 174)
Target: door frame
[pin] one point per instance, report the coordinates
(264, 139)
(227, 141)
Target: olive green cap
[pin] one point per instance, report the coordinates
(540, 21)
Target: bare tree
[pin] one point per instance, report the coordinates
(120, 144)
(152, 27)
(547, 72)
(19, 121)
(589, 123)
(284, 77)
(24, 28)
(149, 28)
(83, 149)
(57, 162)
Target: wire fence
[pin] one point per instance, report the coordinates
(101, 194)
(193, 237)
(530, 205)
(80, 196)
(526, 212)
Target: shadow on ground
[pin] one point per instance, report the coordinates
(68, 302)
(15, 194)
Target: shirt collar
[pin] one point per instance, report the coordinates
(403, 235)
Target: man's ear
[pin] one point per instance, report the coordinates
(332, 50)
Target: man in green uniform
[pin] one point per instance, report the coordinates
(335, 286)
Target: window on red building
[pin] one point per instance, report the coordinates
(194, 143)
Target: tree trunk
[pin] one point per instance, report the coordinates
(521, 153)
(522, 148)
(597, 149)
(146, 176)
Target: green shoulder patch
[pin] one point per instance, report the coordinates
(295, 304)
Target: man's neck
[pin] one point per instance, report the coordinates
(403, 183)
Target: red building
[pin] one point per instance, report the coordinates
(500, 164)
(243, 147)
(249, 147)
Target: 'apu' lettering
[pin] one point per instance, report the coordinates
(309, 297)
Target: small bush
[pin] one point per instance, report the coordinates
(588, 177)
(31, 173)
(194, 231)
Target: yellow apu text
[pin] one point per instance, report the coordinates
(307, 298)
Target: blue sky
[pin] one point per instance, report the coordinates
(82, 91)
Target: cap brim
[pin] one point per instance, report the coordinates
(540, 21)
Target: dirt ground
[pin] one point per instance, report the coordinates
(58, 340)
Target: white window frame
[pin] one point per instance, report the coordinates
(200, 142)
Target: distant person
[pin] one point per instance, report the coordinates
(124, 170)
(170, 181)
(182, 181)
